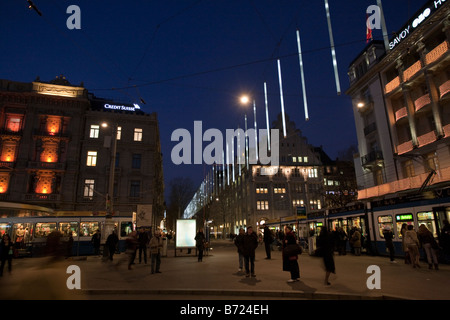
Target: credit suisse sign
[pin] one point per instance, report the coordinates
(417, 20)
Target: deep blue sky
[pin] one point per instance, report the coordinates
(191, 60)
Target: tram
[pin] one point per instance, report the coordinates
(29, 225)
(372, 217)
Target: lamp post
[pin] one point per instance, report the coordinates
(109, 224)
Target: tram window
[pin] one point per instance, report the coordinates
(66, 227)
(384, 221)
(88, 228)
(44, 229)
(126, 228)
(427, 218)
(4, 228)
(402, 219)
(21, 232)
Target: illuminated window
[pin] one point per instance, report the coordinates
(95, 129)
(91, 159)
(119, 133)
(13, 124)
(137, 134)
(89, 188)
(305, 159)
(262, 205)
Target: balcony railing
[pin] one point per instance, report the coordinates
(8, 132)
(405, 147)
(427, 138)
(46, 165)
(7, 164)
(422, 102)
(437, 52)
(446, 129)
(412, 70)
(370, 128)
(444, 88)
(401, 113)
(45, 133)
(392, 85)
(372, 157)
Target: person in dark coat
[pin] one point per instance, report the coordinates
(325, 246)
(95, 240)
(239, 243)
(6, 253)
(388, 237)
(143, 242)
(200, 240)
(249, 248)
(290, 263)
(111, 244)
(69, 246)
(268, 239)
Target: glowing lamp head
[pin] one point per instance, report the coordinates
(104, 125)
(360, 105)
(245, 99)
(2, 190)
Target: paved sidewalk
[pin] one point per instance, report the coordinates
(218, 276)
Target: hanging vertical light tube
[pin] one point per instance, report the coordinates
(239, 152)
(305, 102)
(246, 142)
(333, 51)
(256, 130)
(232, 159)
(223, 170)
(267, 115)
(228, 167)
(281, 98)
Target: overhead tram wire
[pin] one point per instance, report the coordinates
(195, 74)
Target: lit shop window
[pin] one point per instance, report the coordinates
(91, 159)
(137, 134)
(95, 129)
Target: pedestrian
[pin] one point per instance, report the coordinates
(6, 253)
(429, 245)
(250, 245)
(325, 248)
(388, 238)
(412, 242)
(342, 241)
(404, 246)
(356, 242)
(239, 243)
(132, 244)
(155, 252)
(290, 262)
(111, 244)
(95, 240)
(200, 240)
(268, 239)
(143, 242)
(444, 240)
(69, 244)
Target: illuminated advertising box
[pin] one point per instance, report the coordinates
(185, 233)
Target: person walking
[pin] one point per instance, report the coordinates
(412, 242)
(444, 240)
(268, 239)
(342, 241)
(325, 246)
(249, 248)
(155, 252)
(95, 240)
(143, 242)
(429, 245)
(132, 243)
(290, 262)
(388, 238)
(404, 246)
(69, 245)
(356, 240)
(6, 253)
(200, 240)
(239, 243)
(111, 244)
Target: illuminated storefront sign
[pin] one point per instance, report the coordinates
(416, 21)
(121, 107)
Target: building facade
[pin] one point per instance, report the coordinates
(56, 150)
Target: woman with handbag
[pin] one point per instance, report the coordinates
(412, 242)
(6, 253)
(429, 245)
(290, 262)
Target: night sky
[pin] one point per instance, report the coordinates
(191, 60)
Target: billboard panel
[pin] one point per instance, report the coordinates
(144, 215)
(185, 233)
